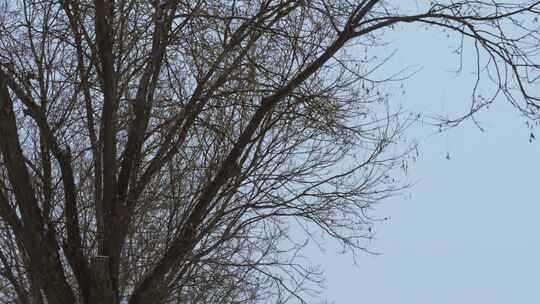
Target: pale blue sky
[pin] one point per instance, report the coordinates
(469, 233)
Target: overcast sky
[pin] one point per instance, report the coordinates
(468, 233)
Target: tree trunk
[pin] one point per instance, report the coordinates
(103, 292)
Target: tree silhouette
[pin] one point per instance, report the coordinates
(158, 151)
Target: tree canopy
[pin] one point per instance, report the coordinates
(160, 151)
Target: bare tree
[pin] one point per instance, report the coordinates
(159, 151)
